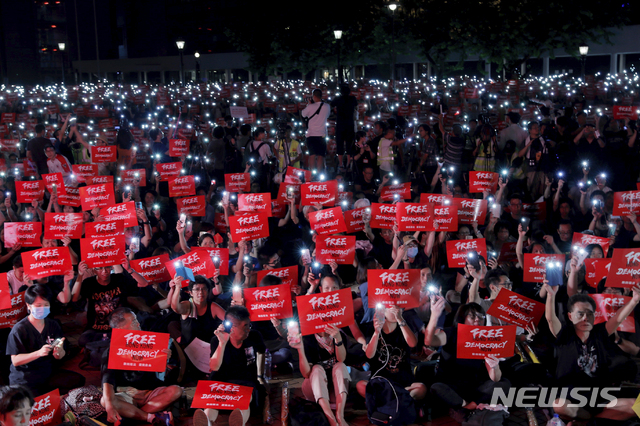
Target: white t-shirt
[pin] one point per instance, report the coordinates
(385, 156)
(14, 283)
(318, 124)
(265, 150)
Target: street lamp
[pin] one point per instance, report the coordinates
(197, 55)
(584, 51)
(392, 8)
(338, 35)
(61, 47)
(180, 44)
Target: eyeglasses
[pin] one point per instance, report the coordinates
(103, 268)
(474, 315)
(508, 284)
(581, 314)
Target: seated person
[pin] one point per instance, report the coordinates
(33, 353)
(15, 405)
(237, 356)
(146, 397)
(586, 353)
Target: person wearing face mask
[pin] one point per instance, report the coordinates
(35, 343)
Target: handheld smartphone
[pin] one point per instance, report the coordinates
(156, 207)
(135, 245)
(227, 326)
(217, 262)
(290, 192)
(492, 255)
(380, 311)
(554, 273)
(127, 192)
(316, 267)
(598, 205)
(189, 226)
(55, 188)
(306, 256)
(581, 253)
(225, 197)
(432, 289)
(56, 342)
(139, 205)
(473, 259)
(525, 223)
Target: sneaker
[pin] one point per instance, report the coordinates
(200, 418)
(163, 418)
(235, 418)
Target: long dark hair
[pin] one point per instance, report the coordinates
(464, 310)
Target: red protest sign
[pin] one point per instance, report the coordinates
(353, 220)
(54, 181)
(327, 221)
(153, 269)
(221, 396)
(340, 249)
(60, 225)
(249, 227)
(535, 265)
(198, 261)
(219, 257)
(324, 193)
(18, 310)
(344, 198)
(318, 311)
(394, 287)
(220, 224)
(97, 196)
(29, 190)
(194, 206)
(457, 251)
(626, 202)
(182, 186)
(237, 182)
(625, 268)
(596, 270)
(28, 234)
(470, 210)
(255, 203)
(5, 292)
(104, 154)
(178, 147)
(401, 191)
(607, 306)
(46, 409)
(383, 215)
(46, 262)
(297, 176)
(478, 342)
(288, 275)
(414, 217)
(84, 171)
(97, 180)
(138, 350)
(124, 211)
(131, 176)
(446, 216)
(167, 171)
(621, 112)
(103, 229)
(516, 309)
(264, 303)
(436, 199)
(508, 253)
(105, 251)
(481, 181)
(71, 198)
(583, 240)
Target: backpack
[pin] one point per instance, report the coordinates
(93, 354)
(389, 404)
(85, 401)
(306, 413)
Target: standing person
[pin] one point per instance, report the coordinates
(58, 163)
(35, 150)
(216, 154)
(385, 151)
(428, 152)
(453, 145)
(345, 108)
(513, 132)
(289, 151)
(317, 112)
(537, 159)
(237, 356)
(485, 152)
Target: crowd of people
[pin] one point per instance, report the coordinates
(552, 166)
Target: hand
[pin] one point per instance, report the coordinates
(176, 282)
(246, 271)
(16, 247)
(501, 182)
(95, 212)
(402, 252)
(7, 202)
(112, 414)
(45, 350)
(547, 238)
(277, 323)
(223, 336)
(296, 289)
(493, 263)
(550, 290)
(560, 184)
(125, 264)
(54, 198)
(573, 265)
(313, 280)
(474, 224)
(334, 266)
(396, 312)
(492, 362)
(633, 217)
(377, 325)
(437, 305)
(216, 276)
(636, 293)
(26, 278)
(69, 275)
(126, 196)
(66, 241)
(473, 272)
(532, 330)
(332, 331)
(180, 227)
(156, 213)
(547, 181)
(385, 179)
(141, 215)
(58, 350)
(493, 220)
(83, 268)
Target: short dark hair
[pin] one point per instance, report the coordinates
(360, 134)
(117, 317)
(12, 397)
(35, 291)
(203, 236)
(237, 312)
(317, 93)
(425, 127)
(40, 128)
(259, 130)
(199, 279)
(501, 225)
(597, 192)
(269, 280)
(531, 124)
(218, 132)
(17, 262)
(153, 134)
(464, 310)
(562, 121)
(493, 276)
(245, 129)
(565, 222)
(516, 196)
(152, 192)
(383, 125)
(514, 117)
(580, 298)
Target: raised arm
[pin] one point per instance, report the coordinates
(615, 321)
(550, 309)
(433, 336)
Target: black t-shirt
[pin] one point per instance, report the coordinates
(143, 380)
(364, 185)
(470, 372)
(317, 355)
(345, 105)
(24, 339)
(36, 147)
(382, 251)
(239, 363)
(391, 359)
(104, 299)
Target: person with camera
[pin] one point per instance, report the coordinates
(288, 149)
(317, 113)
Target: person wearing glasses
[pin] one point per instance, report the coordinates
(462, 384)
(106, 291)
(587, 355)
(237, 356)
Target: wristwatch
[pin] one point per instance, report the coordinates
(146, 223)
(619, 341)
(402, 324)
(340, 343)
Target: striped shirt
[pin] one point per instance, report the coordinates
(454, 146)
